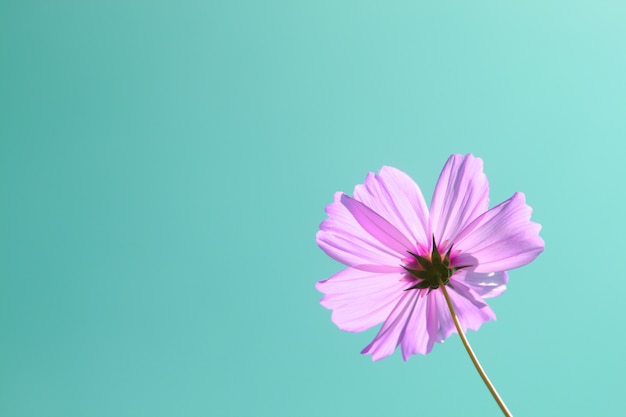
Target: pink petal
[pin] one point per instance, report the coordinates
(486, 285)
(471, 310)
(378, 227)
(415, 335)
(461, 195)
(501, 239)
(392, 331)
(343, 239)
(440, 324)
(361, 299)
(397, 198)
(420, 319)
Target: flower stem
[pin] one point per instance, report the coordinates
(471, 354)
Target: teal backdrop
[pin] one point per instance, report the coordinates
(164, 168)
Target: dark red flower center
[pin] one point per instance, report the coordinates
(430, 271)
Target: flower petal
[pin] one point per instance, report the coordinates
(461, 195)
(397, 198)
(390, 334)
(421, 318)
(486, 285)
(440, 324)
(343, 239)
(361, 299)
(415, 336)
(501, 239)
(378, 227)
(470, 309)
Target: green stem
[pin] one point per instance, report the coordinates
(470, 352)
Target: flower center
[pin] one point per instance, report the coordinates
(430, 271)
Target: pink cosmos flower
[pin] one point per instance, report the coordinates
(398, 252)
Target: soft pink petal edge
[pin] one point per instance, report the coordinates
(397, 198)
(361, 299)
(460, 196)
(501, 239)
(344, 239)
(421, 319)
(378, 227)
(486, 285)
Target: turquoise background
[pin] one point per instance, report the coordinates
(164, 168)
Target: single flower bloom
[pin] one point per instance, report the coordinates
(398, 253)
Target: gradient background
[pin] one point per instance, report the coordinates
(164, 168)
